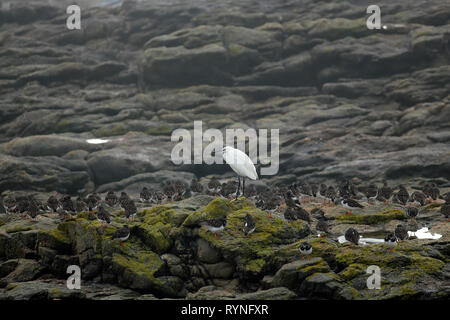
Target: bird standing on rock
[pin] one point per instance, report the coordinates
(111, 199)
(385, 192)
(241, 164)
(350, 205)
(401, 233)
(146, 195)
(122, 234)
(445, 210)
(214, 187)
(80, 205)
(9, 203)
(391, 241)
(103, 215)
(322, 226)
(402, 195)
(352, 235)
(249, 225)
(371, 193)
(214, 225)
(52, 203)
(195, 187)
(305, 249)
(412, 212)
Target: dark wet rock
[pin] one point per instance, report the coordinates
(26, 270)
(280, 293)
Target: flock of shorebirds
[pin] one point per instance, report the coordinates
(287, 197)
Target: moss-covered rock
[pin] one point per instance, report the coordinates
(373, 218)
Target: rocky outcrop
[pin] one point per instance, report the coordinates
(169, 255)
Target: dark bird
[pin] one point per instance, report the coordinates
(111, 199)
(371, 192)
(122, 234)
(159, 197)
(52, 203)
(80, 205)
(434, 191)
(67, 204)
(391, 241)
(9, 203)
(331, 194)
(130, 209)
(322, 191)
(412, 212)
(445, 210)
(195, 187)
(250, 192)
(352, 235)
(249, 225)
(418, 198)
(123, 199)
(214, 225)
(103, 215)
(351, 204)
(305, 249)
(169, 190)
(180, 189)
(322, 226)
(302, 214)
(402, 195)
(214, 186)
(33, 209)
(22, 205)
(385, 192)
(289, 214)
(145, 195)
(92, 202)
(401, 233)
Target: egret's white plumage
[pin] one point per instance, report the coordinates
(239, 162)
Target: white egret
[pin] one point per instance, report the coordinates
(241, 164)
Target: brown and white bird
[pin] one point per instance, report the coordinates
(350, 204)
(402, 195)
(385, 192)
(371, 193)
(391, 241)
(214, 225)
(111, 199)
(145, 195)
(195, 187)
(412, 212)
(9, 204)
(121, 234)
(214, 187)
(80, 205)
(418, 198)
(445, 210)
(249, 225)
(305, 250)
(52, 203)
(352, 236)
(400, 232)
(322, 227)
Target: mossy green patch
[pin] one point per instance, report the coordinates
(19, 229)
(373, 218)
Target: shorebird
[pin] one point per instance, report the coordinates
(249, 225)
(391, 241)
(352, 235)
(241, 164)
(400, 232)
(350, 205)
(305, 249)
(122, 234)
(214, 225)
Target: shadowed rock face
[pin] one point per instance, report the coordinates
(169, 255)
(349, 102)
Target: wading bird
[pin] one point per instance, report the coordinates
(241, 164)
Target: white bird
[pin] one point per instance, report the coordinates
(241, 164)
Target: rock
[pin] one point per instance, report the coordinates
(206, 253)
(26, 270)
(322, 285)
(280, 293)
(211, 293)
(221, 270)
(292, 275)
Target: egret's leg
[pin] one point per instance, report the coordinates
(239, 187)
(243, 186)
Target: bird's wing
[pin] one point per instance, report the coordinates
(240, 163)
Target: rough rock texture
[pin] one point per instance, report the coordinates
(169, 255)
(348, 101)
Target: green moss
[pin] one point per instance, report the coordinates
(373, 218)
(2, 222)
(353, 271)
(433, 205)
(19, 229)
(159, 131)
